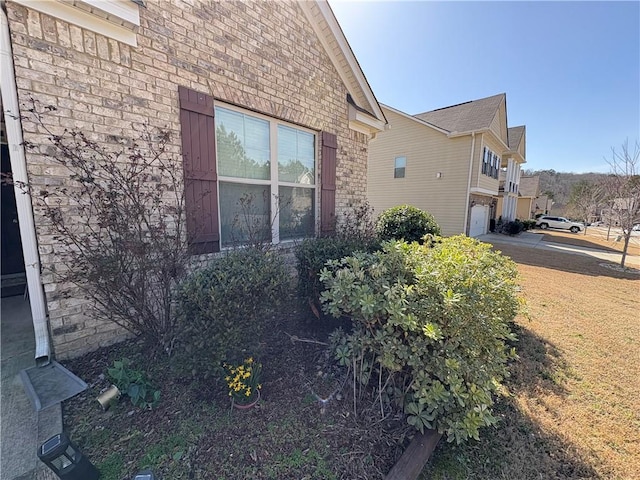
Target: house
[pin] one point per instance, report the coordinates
(272, 73)
(528, 196)
(448, 162)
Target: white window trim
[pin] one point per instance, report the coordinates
(395, 167)
(116, 19)
(273, 182)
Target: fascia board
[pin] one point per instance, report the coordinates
(415, 119)
(337, 35)
(102, 19)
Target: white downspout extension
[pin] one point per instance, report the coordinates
(11, 113)
(466, 210)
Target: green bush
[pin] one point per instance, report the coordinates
(407, 223)
(528, 224)
(312, 256)
(513, 228)
(223, 307)
(435, 321)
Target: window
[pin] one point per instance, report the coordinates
(232, 155)
(490, 163)
(266, 174)
(400, 166)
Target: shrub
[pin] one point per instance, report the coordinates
(529, 224)
(435, 320)
(513, 228)
(357, 223)
(312, 256)
(222, 307)
(406, 222)
(118, 225)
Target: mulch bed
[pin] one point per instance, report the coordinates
(194, 434)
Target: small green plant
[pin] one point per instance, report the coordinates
(134, 384)
(406, 222)
(243, 381)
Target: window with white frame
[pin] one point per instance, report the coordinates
(266, 177)
(399, 167)
(490, 163)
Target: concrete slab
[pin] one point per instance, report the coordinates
(22, 430)
(524, 238)
(534, 240)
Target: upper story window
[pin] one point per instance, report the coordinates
(266, 178)
(490, 163)
(400, 166)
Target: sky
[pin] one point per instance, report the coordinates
(571, 70)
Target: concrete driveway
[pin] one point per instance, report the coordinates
(535, 240)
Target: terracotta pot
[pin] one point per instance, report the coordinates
(247, 406)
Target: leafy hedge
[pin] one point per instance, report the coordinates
(313, 254)
(406, 222)
(223, 307)
(431, 325)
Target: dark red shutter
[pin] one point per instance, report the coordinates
(328, 186)
(200, 176)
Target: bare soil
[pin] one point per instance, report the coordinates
(295, 431)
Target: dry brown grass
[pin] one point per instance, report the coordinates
(574, 409)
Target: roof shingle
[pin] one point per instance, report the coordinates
(464, 117)
(515, 136)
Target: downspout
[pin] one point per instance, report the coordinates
(466, 210)
(11, 113)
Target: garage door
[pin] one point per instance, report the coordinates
(479, 220)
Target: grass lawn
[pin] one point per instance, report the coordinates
(572, 409)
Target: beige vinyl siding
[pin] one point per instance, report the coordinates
(522, 146)
(499, 206)
(476, 170)
(523, 209)
(499, 124)
(428, 153)
(484, 181)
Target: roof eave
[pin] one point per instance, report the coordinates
(350, 69)
(364, 122)
(468, 132)
(415, 119)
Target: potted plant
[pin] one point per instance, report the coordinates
(243, 383)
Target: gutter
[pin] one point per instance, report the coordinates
(11, 114)
(466, 210)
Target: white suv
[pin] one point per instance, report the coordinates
(547, 221)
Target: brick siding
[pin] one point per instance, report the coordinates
(262, 56)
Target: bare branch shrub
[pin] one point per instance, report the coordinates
(118, 225)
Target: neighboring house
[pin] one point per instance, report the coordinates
(625, 210)
(279, 75)
(448, 162)
(528, 196)
(542, 205)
